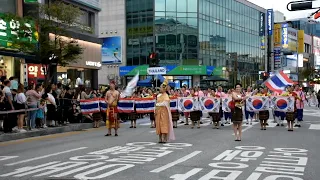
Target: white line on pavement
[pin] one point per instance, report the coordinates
(185, 158)
(315, 126)
(186, 175)
(245, 129)
(46, 156)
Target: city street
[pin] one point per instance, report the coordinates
(202, 154)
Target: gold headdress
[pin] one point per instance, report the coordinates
(165, 83)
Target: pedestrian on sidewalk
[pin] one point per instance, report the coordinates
(21, 104)
(10, 120)
(51, 106)
(33, 94)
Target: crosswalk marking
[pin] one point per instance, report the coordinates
(315, 126)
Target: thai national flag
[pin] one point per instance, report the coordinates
(103, 105)
(173, 104)
(278, 82)
(144, 105)
(89, 106)
(126, 105)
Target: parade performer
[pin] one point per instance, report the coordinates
(215, 115)
(185, 93)
(248, 114)
(220, 94)
(291, 116)
(237, 115)
(112, 98)
(299, 105)
(164, 127)
(264, 115)
(195, 116)
(152, 119)
(278, 115)
(133, 116)
(175, 114)
(227, 115)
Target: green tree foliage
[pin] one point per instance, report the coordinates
(56, 19)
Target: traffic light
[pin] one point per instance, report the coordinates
(265, 76)
(154, 59)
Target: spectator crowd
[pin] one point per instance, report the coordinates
(34, 107)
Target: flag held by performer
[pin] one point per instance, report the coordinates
(209, 104)
(173, 104)
(130, 87)
(227, 104)
(89, 106)
(103, 105)
(126, 105)
(144, 105)
(283, 103)
(258, 103)
(278, 82)
(188, 104)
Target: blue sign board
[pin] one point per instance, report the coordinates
(270, 21)
(284, 34)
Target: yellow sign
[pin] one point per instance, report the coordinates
(140, 30)
(301, 41)
(277, 35)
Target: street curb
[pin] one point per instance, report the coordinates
(42, 132)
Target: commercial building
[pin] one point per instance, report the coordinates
(196, 38)
(28, 69)
(85, 70)
(112, 32)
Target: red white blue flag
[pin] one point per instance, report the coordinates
(89, 106)
(278, 82)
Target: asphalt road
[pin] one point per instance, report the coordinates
(202, 154)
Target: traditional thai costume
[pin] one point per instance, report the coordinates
(263, 115)
(175, 116)
(163, 116)
(111, 121)
(291, 116)
(299, 106)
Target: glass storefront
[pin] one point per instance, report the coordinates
(73, 77)
(10, 67)
(8, 6)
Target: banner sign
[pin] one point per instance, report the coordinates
(262, 24)
(277, 35)
(283, 103)
(285, 39)
(258, 103)
(188, 104)
(270, 21)
(173, 104)
(208, 104)
(90, 106)
(144, 105)
(301, 41)
(126, 105)
(156, 71)
(103, 105)
(227, 104)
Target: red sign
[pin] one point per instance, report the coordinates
(36, 71)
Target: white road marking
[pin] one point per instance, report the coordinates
(2, 158)
(45, 156)
(245, 129)
(186, 175)
(185, 158)
(315, 126)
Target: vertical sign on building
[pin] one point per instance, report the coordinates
(262, 26)
(269, 21)
(277, 35)
(301, 41)
(284, 35)
(263, 43)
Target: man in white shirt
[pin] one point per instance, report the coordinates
(10, 122)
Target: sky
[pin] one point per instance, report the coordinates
(281, 5)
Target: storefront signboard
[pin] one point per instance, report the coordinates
(36, 71)
(30, 1)
(157, 71)
(92, 63)
(8, 32)
(170, 70)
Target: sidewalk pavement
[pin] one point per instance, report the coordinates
(47, 131)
